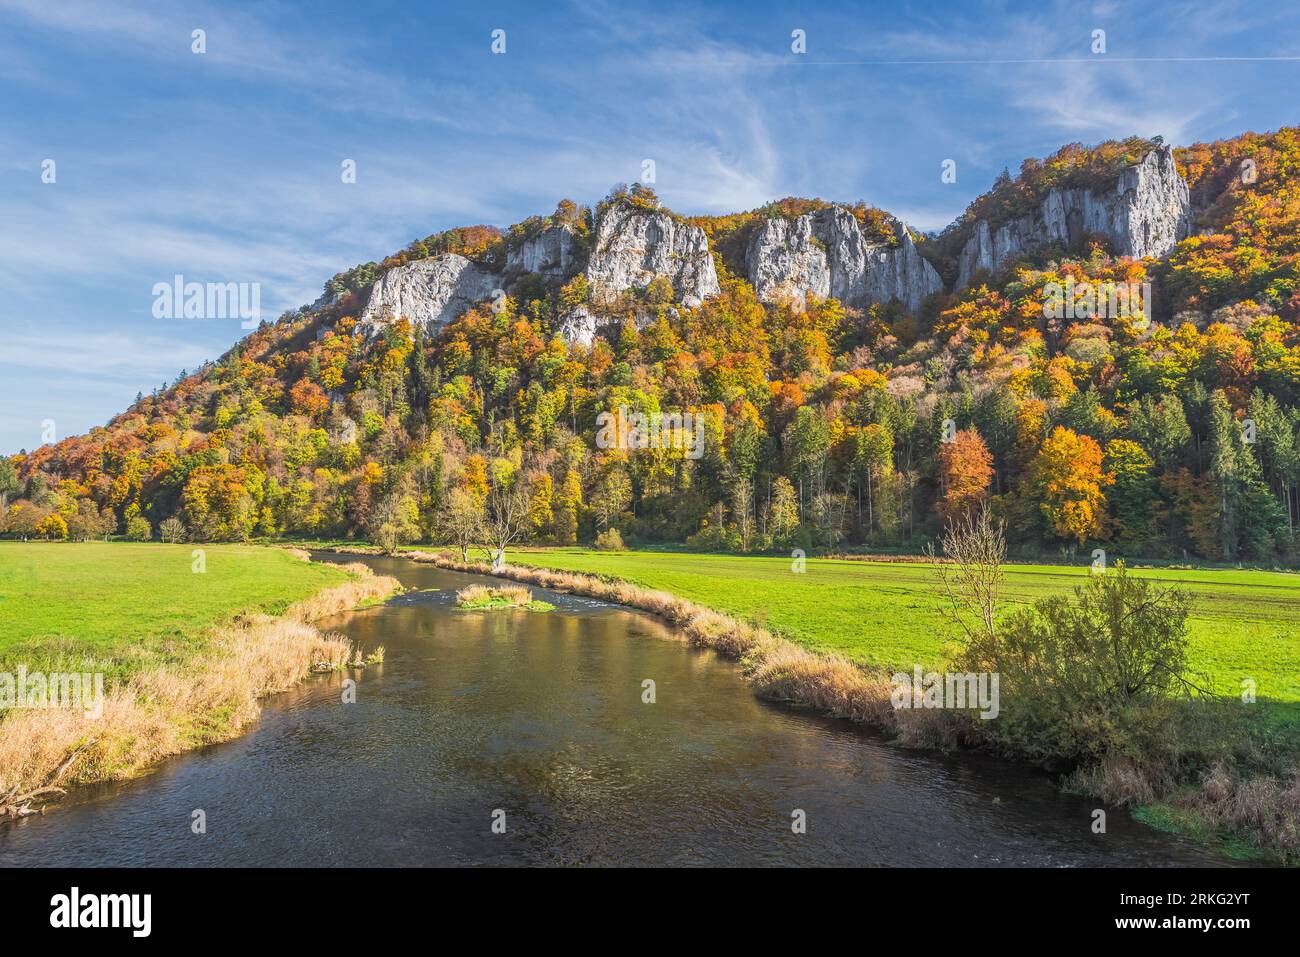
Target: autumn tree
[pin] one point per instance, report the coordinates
(394, 521)
(463, 520)
(965, 468)
(24, 518)
(309, 399)
(138, 529)
(1068, 478)
(1133, 497)
(613, 495)
(88, 521)
(541, 515)
(570, 506)
(53, 528)
(783, 512)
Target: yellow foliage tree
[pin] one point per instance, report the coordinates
(1068, 477)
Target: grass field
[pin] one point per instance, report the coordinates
(1244, 624)
(125, 606)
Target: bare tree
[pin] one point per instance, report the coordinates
(463, 520)
(975, 549)
(507, 516)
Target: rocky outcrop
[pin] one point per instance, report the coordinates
(900, 272)
(786, 261)
(552, 252)
(578, 325)
(1146, 214)
(430, 291)
(826, 254)
(634, 245)
(435, 291)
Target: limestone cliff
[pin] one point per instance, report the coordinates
(826, 253)
(823, 253)
(551, 252)
(1145, 214)
(634, 245)
(431, 291)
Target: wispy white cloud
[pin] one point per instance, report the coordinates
(226, 166)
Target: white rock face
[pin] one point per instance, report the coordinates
(1146, 214)
(784, 262)
(578, 326)
(634, 245)
(431, 291)
(437, 290)
(551, 252)
(900, 272)
(826, 254)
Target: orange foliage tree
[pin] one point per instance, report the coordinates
(1069, 480)
(965, 468)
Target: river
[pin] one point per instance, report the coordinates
(536, 722)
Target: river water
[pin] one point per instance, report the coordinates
(536, 721)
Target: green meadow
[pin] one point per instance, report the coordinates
(1244, 624)
(121, 606)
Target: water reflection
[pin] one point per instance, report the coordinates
(540, 715)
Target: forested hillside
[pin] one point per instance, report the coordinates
(1168, 432)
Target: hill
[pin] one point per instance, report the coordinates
(1104, 346)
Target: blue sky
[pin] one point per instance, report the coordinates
(225, 166)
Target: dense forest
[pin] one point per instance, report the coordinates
(1167, 434)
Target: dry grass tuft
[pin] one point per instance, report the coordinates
(1263, 807)
(173, 708)
(364, 587)
(1120, 780)
(493, 596)
(825, 682)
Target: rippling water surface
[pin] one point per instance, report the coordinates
(539, 715)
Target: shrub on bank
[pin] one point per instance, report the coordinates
(1091, 676)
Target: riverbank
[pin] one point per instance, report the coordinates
(179, 657)
(890, 614)
(776, 668)
(548, 717)
(1247, 814)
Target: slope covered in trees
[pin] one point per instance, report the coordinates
(1166, 432)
